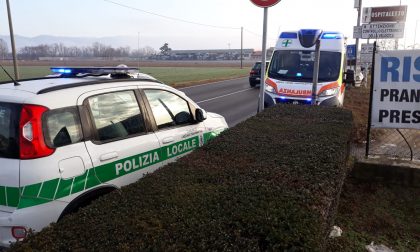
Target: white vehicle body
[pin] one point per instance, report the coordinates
(290, 74)
(37, 190)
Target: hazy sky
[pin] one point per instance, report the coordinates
(100, 18)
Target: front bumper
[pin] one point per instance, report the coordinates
(271, 99)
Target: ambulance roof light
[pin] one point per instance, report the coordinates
(288, 35)
(332, 35)
(308, 37)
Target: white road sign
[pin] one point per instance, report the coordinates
(367, 49)
(357, 32)
(383, 31)
(396, 90)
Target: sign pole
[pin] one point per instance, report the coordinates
(372, 79)
(264, 54)
(359, 12)
(316, 72)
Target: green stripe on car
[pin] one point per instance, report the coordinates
(47, 191)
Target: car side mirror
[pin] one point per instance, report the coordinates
(200, 115)
(182, 118)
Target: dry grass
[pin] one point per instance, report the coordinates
(357, 100)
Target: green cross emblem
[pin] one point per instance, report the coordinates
(286, 42)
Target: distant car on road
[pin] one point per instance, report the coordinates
(255, 73)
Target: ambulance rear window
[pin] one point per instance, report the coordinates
(9, 130)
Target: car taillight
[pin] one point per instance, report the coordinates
(31, 138)
(252, 72)
(19, 232)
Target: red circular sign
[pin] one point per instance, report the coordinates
(265, 3)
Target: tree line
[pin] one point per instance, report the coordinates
(60, 50)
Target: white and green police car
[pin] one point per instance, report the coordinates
(72, 137)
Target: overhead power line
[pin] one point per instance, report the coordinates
(172, 18)
(258, 35)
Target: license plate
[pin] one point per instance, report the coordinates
(295, 102)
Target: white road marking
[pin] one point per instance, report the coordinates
(210, 83)
(217, 97)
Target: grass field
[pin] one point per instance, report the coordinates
(175, 76)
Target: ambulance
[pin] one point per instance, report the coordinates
(290, 74)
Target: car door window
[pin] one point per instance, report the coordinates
(168, 108)
(116, 115)
(62, 127)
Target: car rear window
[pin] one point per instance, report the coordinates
(257, 66)
(9, 130)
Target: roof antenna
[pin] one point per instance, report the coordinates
(14, 81)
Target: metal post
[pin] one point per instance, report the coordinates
(242, 46)
(372, 79)
(12, 41)
(415, 34)
(316, 72)
(264, 52)
(359, 13)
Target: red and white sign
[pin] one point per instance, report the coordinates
(265, 3)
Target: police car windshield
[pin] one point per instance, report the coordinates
(297, 66)
(9, 127)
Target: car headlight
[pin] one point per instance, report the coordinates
(270, 89)
(329, 92)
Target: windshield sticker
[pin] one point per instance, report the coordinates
(283, 71)
(286, 42)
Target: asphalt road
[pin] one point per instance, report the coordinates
(234, 99)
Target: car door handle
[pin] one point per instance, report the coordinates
(168, 140)
(108, 156)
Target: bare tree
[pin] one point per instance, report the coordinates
(386, 44)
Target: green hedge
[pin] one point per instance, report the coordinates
(270, 183)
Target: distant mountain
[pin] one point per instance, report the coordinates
(115, 41)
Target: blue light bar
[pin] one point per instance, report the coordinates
(288, 35)
(81, 71)
(308, 99)
(61, 70)
(282, 97)
(332, 35)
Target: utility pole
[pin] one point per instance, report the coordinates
(242, 46)
(359, 13)
(12, 41)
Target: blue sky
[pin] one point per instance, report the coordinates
(100, 18)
